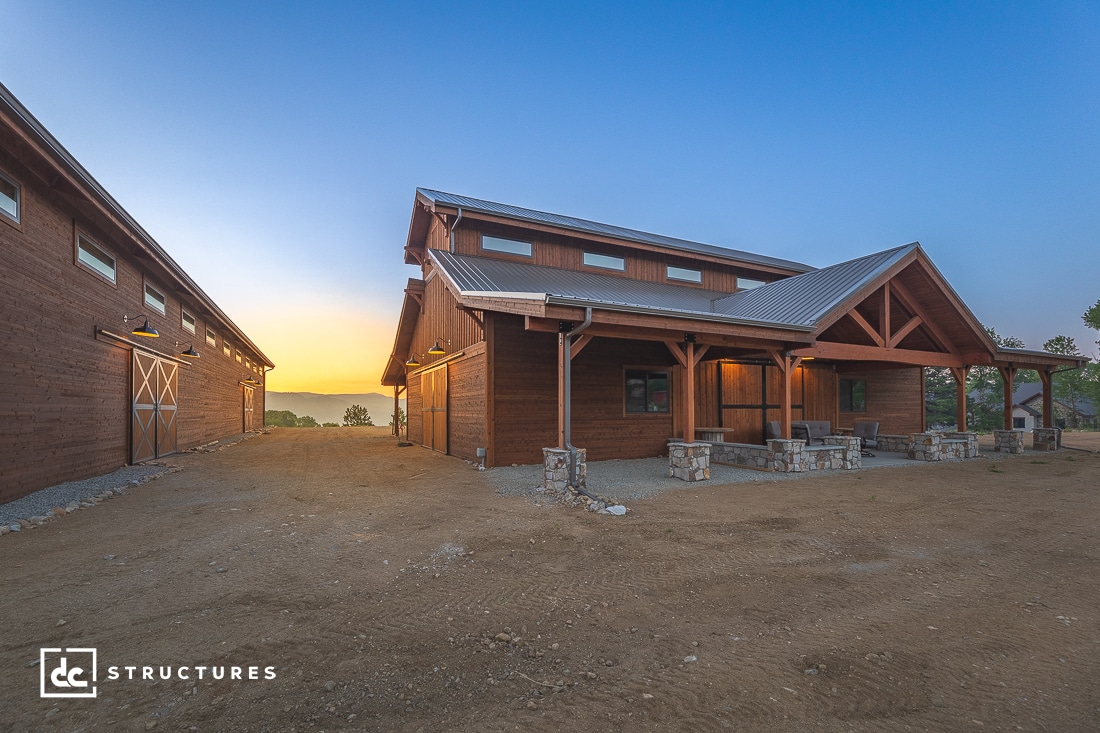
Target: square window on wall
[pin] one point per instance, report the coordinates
(647, 391)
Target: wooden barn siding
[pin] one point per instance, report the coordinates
(525, 389)
(466, 403)
(442, 319)
(567, 252)
(895, 398)
(65, 402)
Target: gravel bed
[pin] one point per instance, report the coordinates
(629, 479)
(41, 502)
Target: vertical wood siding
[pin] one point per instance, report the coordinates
(895, 398)
(65, 401)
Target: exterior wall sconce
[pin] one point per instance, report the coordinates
(413, 362)
(189, 352)
(250, 380)
(144, 329)
(437, 349)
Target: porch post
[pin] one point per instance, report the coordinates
(689, 394)
(396, 405)
(1048, 397)
(960, 374)
(561, 391)
(1007, 375)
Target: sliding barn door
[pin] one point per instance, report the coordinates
(248, 410)
(153, 408)
(433, 391)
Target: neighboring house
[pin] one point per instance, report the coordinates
(82, 391)
(1028, 409)
(528, 330)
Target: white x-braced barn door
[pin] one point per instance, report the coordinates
(153, 421)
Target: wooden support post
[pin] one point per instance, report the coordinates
(786, 365)
(396, 405)
(960, 374)
(1008, 374)
(1047, 378)
(561, 391)
(689, 394)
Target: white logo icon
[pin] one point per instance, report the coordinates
(68, 672)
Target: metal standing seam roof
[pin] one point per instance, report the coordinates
(591, 227)
(795, 303)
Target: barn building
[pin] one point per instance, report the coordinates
(529, 330)
(86, 387)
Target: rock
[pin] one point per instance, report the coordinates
(532, 705)
(329, 686)
(221, 570)
(15, 527)
(810, 671)
(4, 529)
(618, 510)
(108, 557)
(503, 637)
(691, 658)
(61, 622)
(58, 511)
(151, 725)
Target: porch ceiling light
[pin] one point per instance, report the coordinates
(189, 352)
(144, 329)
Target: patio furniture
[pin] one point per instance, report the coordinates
(775, 431)
(811, 430)
(867, 432)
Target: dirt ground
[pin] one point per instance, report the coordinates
(392, 589)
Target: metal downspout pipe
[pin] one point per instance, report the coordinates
(453, 229)
(568, 339)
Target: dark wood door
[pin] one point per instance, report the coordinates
(248, 410)
(433, 390)
(167, 383)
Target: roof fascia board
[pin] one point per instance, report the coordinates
(848, 302)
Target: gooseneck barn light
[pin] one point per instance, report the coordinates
(413, 361)
(437, 349)
(189, 352)
(144, 329)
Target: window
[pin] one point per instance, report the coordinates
(508, 246)
(9, 197)
(853, 395)
(227, 349)
(95, 259)
(684, 273)
(647, 391)
(155, 299)
(744, 283)
(607, 262)
(240, 357)
(211, 337)
(1019, 423)
(187, 320)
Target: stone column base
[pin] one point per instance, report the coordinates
(925, 447)
(689, 461)
(555, 463)
(1008, 441)
(1046, 438)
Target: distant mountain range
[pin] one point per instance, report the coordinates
(330, 407)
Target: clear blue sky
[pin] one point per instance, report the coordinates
(293, 136)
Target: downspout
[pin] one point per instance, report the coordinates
(569, 395)
(453, 229)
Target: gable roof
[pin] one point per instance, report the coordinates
(585, 226)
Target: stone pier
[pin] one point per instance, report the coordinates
(1008, 441)
(1046, 438)
(555, 463)
(689, 461)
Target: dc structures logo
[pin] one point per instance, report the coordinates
(68, 672)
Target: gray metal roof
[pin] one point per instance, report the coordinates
(608, 230)
(795, 303)
(805, 299)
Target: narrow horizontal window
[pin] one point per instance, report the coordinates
(188, 321)
(744, 283)
(607, 262)
(211, 337)
(95, 259)
(647, 391)
(155, 299)
(509, 246)
(9, 197)
(684, 273)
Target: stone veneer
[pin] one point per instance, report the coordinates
(689, 461)
(555, 462)
(791, 456)
(1008, 441)
(1046, 438)
(932, 446)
